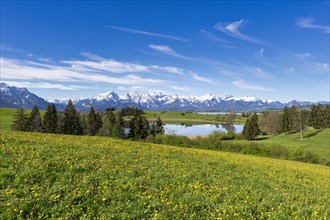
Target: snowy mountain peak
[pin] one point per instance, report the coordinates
(107, 96)
(207, 97)
(11, 96)
(245, 99)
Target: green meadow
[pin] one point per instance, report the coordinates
(46, 176)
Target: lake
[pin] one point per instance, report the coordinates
(200, 129)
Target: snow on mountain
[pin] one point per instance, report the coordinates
(63, 101)
(13, 97)
(20, 97)
(107, 96)
(245, 99)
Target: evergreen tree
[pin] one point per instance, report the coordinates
(144, 129)
(327, 116)
(20, 120)
(94, 122)
(294, 119)
(285, 120)
(245, 127)
(139, 127)
(134, 127)
(71, 120)
(319, 116)
(159, 126)
(83, 119)
(108, 123)
(50, 119)
(60, 124)
(153, 129)
(34, 120)
(118, 129)
(251, 128)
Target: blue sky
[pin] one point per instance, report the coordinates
(272, 50)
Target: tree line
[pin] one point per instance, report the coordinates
(291, 120)
(107, 123)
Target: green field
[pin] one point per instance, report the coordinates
(58, 176)
(186, 117)
(315, 141)
(6, 118)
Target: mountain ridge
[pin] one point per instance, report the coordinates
(12, 96)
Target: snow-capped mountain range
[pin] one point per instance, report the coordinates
(14, 97)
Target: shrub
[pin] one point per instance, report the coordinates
(311, 158)
(278, 151)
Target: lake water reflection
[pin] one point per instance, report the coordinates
(201, 129)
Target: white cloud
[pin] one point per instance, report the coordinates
(43, 59)
(134, 31)
(309, 24)
(212, 36)
(241, 84)
(291, 69)
(303, 55)
(27, 70)
(144, 80)
(169, 69)
(228, 46)
(91, 56)
(258, 72)
(108, 65)
(324, 67)
(43, 85)
(130, 88)
(181, 88)
(200, 78)
(232, 29)
(167, 50)
(261, 52)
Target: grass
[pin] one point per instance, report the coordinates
(315, 141)
(191, 117)
(6, 117)
(60, 176)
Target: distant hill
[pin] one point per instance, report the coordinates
(13, 97)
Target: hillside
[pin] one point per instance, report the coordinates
(316, 141)
(59, 176)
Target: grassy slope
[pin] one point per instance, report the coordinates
(51, 176)
(316, 141)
